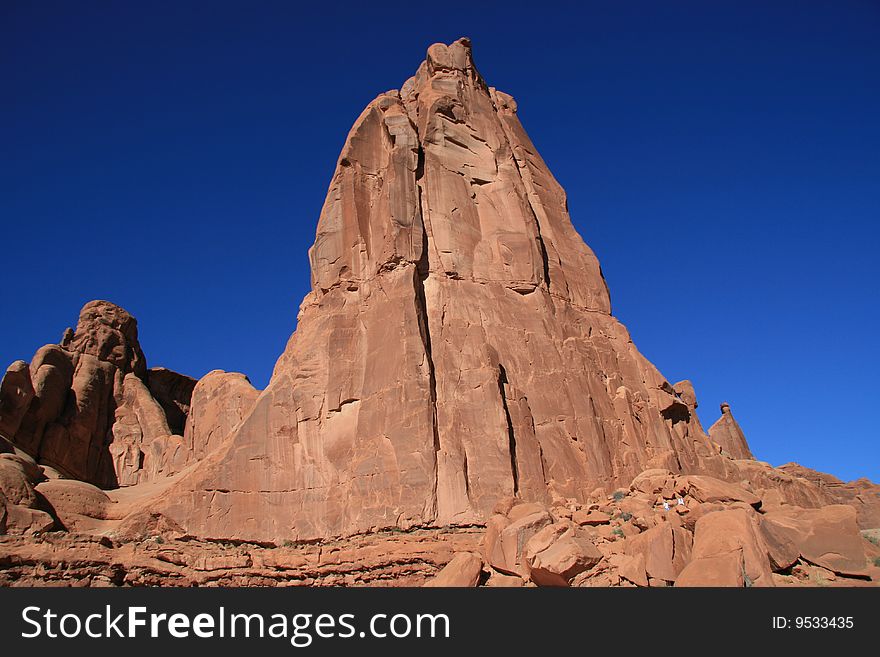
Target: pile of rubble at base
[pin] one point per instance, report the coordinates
(670, 530)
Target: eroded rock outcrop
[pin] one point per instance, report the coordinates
(728, 436)
(84, 408)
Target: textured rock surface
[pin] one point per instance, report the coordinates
(115, 541)
(665, 548)
(138, 421)
(507, 536)
(76, 504)
(109, 333)
(22, 509)
(16, 393)
(378, 559)
(220, 401)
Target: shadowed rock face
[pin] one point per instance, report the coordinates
(174, 393)
(457, 346)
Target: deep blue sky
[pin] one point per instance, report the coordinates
(721, 158)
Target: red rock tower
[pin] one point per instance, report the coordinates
(457, 346)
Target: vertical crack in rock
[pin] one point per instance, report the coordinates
(421, 275)
(542, 462)
(422, 307)
(467, 479)
(511, 435)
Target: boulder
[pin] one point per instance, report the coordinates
(22, 511)
(521, 510)
(559, 552)
(665, 550)
(686, 393)
(463, 571)
(500, 580)
(828, 537)
(653, 481)
(709, 489)
(15, 484)
(75, 501)
(590, 518)
(505, 541)
(145, 523)
(632, 568)
(27, 521)
(721, 570)
(779, 542)
(724, 542)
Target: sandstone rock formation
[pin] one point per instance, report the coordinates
(220, 401)
(457, 407)
(85, 407)
(727, 434)
(457, 346)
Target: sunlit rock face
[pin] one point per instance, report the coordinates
(457, 346)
